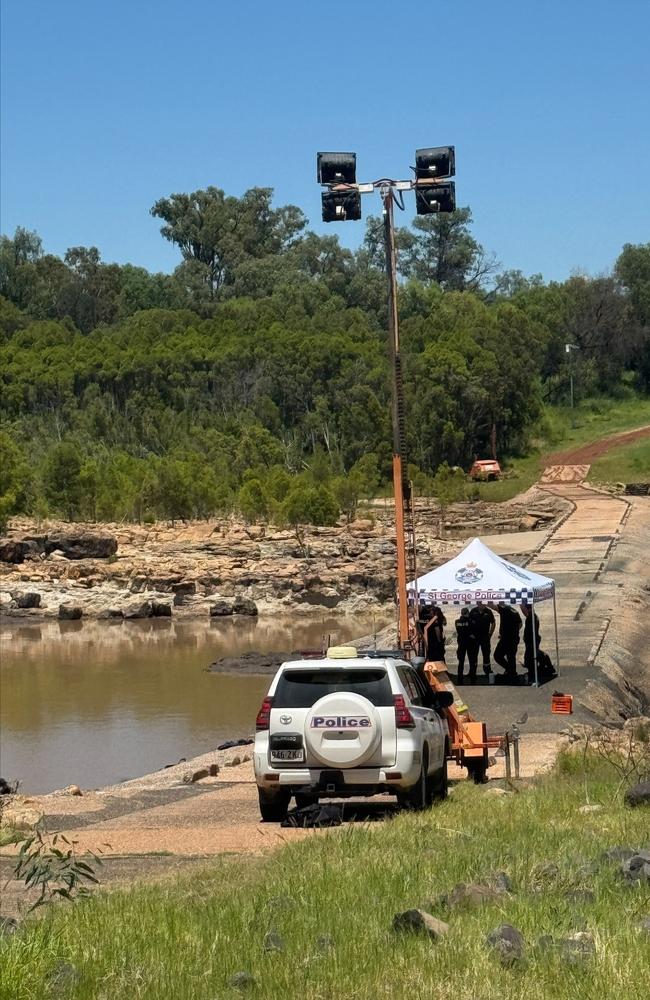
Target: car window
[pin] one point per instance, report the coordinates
(409, 685)
(303, 688)
(426, 694)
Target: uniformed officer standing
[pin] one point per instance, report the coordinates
(434, 636)
(505, 653)
(531, 620)
(467, 646)
(483, 625)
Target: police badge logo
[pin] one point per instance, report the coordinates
(469, 574)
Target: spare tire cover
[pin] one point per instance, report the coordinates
(342, 729)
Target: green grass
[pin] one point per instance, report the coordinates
(183, 939)
(628, 464)
(561, 429)
(9, 836)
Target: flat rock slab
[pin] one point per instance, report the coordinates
(420, 922)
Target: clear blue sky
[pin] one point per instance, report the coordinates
(108, 106)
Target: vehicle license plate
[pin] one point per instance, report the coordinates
(287, 754)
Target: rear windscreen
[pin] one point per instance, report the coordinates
(303, 688)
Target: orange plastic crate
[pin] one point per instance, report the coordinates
(562, 704)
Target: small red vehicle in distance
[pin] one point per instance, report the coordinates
(485, 469)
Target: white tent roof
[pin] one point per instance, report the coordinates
(477, 574)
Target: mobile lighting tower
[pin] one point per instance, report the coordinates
(341, 202)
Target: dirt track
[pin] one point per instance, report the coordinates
(587, 453)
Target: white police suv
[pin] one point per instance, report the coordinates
(350, 725)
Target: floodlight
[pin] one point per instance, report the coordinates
(337, 168)
(435, 162)
(431, 198)
(341, 205)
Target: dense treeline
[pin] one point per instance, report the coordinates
(255, 376)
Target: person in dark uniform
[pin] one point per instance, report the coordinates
(530, 621)
(505, 653)
(483, 625)
(467, 646)
(424, 616)
(434, 636)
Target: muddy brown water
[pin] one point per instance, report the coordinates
(92, 704)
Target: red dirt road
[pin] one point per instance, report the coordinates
(588, 453)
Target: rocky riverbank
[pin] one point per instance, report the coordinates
(224, 567)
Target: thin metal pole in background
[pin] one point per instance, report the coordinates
(515, 748)
(532, 616)
(557, 645)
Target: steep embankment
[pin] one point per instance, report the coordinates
(622, 650)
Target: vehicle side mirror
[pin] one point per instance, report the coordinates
(443, 699)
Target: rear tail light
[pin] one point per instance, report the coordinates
(263, 720)
(403, 717)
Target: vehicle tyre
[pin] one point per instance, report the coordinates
(439, 784)
(417, 797)
(273, 809)
(304, 800)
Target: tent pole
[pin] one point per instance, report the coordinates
(557, 646)
(532, 615)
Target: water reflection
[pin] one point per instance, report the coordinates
(93, 703)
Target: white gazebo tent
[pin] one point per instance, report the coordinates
(477, 575)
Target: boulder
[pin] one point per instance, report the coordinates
(221, 609)
(161, 609)
(639, 726)
(326, 597)
(183, 590)
(420, 922)
(474, 894)
(638, 795)
(577, 947)
(502, 882)
(637, 869)
(82, 545)
(20, 817)
(528, 523)
(30, 599)
(545, 873)
(244, 606)
(63, 978)
(110, 614)
(273, 942)
(191, 776)
(244, 982)
(507, 943)
(142, 609)
(72, 790)
(70, 612)
(8, 926)
(12, 551)
(618, 853)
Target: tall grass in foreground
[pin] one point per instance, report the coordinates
(182, 940)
